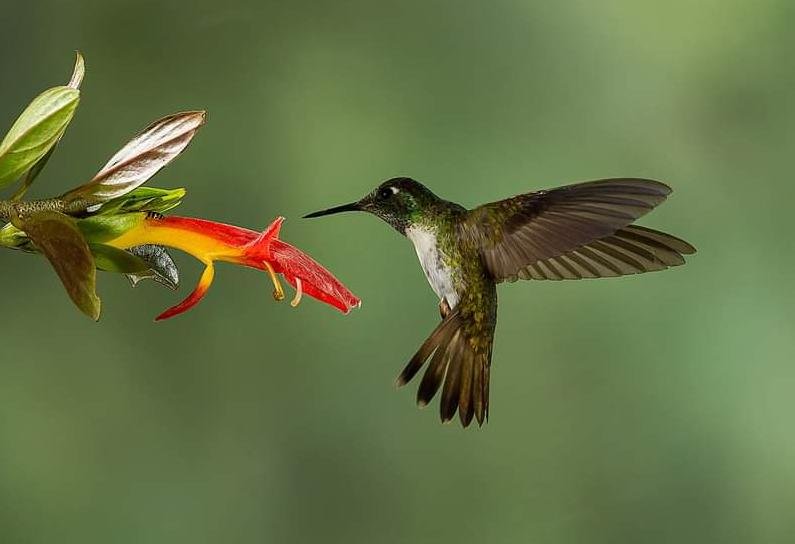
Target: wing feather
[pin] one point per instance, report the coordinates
(578, 231)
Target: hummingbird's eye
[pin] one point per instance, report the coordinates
(385, 192)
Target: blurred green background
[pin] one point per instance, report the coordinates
(650, 409)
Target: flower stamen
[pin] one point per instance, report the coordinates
(298, 292)
(278, 292)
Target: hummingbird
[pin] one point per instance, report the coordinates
(583, 230)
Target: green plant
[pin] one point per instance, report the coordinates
(111, 223)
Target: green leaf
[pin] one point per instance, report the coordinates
(13, 238)
(138, 263)
(144, 199)
(58, 238)
(77, 78)
(32, 174)
(142, 157)
(111, 259)
(36, 131)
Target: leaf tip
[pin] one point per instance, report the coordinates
(78, 72)
(199, 117)
(96, 314)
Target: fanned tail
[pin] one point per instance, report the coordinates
(459, 350)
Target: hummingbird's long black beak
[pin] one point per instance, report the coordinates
(352, 207)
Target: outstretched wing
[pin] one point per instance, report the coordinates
(576, 231)
(458, 353)
(631, 250)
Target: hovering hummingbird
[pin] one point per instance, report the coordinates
(577, 231)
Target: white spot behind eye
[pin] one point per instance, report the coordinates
(395, 190)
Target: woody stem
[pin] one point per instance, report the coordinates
(28, 207)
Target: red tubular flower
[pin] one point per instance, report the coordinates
(209, 241)
(305, 274)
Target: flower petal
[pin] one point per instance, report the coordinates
(194, 298)
(316, 281)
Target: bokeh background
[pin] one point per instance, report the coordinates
(651, 409)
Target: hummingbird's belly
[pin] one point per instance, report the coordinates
(438, 273)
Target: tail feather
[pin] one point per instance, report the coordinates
(435, 373)
(458, 365)
(480, 392)
(425, 351)
(451, 392)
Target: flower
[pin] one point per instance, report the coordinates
(112, 223)
(210, 241)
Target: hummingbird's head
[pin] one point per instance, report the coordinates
(400, 202)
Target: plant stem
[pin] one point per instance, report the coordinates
(8, 207)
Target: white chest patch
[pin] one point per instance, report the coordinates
(433, 265)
